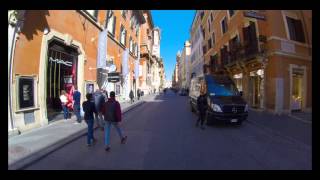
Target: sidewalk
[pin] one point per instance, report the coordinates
(283, 125)
(30, 146)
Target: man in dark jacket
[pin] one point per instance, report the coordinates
(98, 100)
(138, 94)
(89, 108)
(202, 105)
(76, 103)
(131, 96)
(112, 116)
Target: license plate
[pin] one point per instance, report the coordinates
(234, 120)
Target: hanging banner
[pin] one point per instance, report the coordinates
(102, 49)
(125, 58)
(102, 58)
(137, 64)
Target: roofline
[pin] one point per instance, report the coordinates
(140, 16)
(150, 17)
(195, 14)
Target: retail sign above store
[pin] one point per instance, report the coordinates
(254, 14)
(113, 77)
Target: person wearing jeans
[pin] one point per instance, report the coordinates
(76, 105)
(64, 100)
(107, 133)
(98, 100)
(112, 116)
(89, 109)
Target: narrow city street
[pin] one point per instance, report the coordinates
(162, 136)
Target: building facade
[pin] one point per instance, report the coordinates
(197, 61)
(267, 52)
(56, 50)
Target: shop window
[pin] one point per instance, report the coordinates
(295, 29)
(61, 75)
(238, 81)
(26, 92)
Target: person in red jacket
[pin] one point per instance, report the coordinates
(112, 116)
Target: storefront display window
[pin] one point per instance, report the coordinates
(26, 92)
(297, 91)
(61, 75)
(238, 81)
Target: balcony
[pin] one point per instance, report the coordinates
(239, 52)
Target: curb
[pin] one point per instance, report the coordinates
(24, 162)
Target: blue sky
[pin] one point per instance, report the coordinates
(175, 26)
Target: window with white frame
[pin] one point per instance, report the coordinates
(123, 35)
(124, 13)
(112, 24)
(130, 45)
(93, 14)
(136, 49)
(295, 29)
(131, 22)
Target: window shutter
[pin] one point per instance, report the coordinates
(125, 37)
(299, 31)
(213, 38)
(291, 28)
(253, 41)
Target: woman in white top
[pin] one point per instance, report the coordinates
(64, 100)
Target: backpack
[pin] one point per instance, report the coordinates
(110, 112)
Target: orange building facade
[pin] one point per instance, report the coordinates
(266, 52)
(53, 50)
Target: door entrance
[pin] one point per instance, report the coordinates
(255, 91)
(61, 75)
(296, 101)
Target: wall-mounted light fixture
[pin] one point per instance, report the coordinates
(46, 31)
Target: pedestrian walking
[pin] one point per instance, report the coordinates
(138, 94)
(64, 101)
(89, 108)
(112, 116)
(98, 100)
(76, 103)
(202, 105)
(131, 96)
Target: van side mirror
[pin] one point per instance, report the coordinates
(241, 93)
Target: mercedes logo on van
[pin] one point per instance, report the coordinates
(234, 109)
